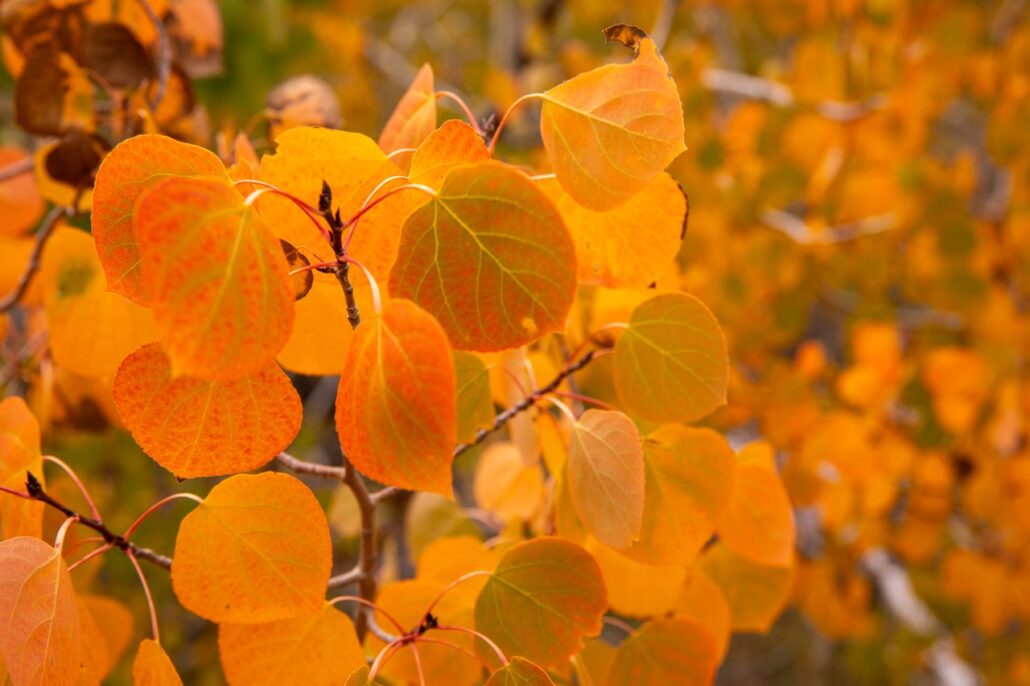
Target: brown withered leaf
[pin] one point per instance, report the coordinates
(52, 95)
(75, 158)
(112, 51)
(302, 281)
(33, 23)
(628, 35)
(195, 27)
(304, 100)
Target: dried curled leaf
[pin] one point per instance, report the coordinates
(395, 408)
(194, 427)
(489, 257)
(256, 550)
(610, 131)
(304, 100)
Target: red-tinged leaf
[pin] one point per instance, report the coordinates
(152, 666)
(610, 131)
(91, 329)
(133, 167)
(475, 405)
(605, 472)
(414, 118)
(489, 257)
(39, 613)
(453, 144)
(352, 165)
(310, 650)
(671, 364)
(628, 246)
(688, 481)
(256, 550)
(545, 596)
(519, 672)
(19, 453)
(758, 522)
(193, 427)
(756, 593)
(395, 408)
(217, 277)
(668, 651)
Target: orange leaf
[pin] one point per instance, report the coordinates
(193, 427)
(755, 593)
(688, 481)
(20, 204)
(758, 522)
(636, 589)
(91, 329)
(152, 666)
(414, 118)
(217, 276)
(667, 651)
(702, 601)
(504, 484)
(310, 650)
(489, 257)
(545, 596)
(19, 453)
(395, 411)
(608, 132)
(256, 550)
(671, 363)
(115, 622)
(38, 610)
(519, 672)
(453, 144)
(133, 167)
(605, 472)
(628, 246)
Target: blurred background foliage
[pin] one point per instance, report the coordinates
(859, 224)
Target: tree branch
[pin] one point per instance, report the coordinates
(527, 402)
(302, 467)
(36, 492)
(164, 53)
(42, 235)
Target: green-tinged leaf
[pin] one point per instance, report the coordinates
(545, 596)
(475, 404)
(519, 672)
(671, 364)
(489, 257)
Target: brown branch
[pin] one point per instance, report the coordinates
(527, 402)
(164, 53)
(367, 550)
(42, 235)
(302, 467)
(35, 492)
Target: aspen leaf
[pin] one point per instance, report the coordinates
(446, 559)
(19, 453)
(605, 472)
(20, 203)
(636, 589)
(115, 622)
(414, 117)
(193, 427)
(758, 522)
(611, 130)
(217, 275)
(504, 484)
(545, 596)
(671, 363)
(628, 246)
(594, 662)
(395, 410)
(453, 144)
(519, 672)
(667, 651)
(431, 517)
(39, 613)
(360, 677)
(756, 593)
(310, 650)
(407, 601)
(688, 482)
(489, 257)
(91, 329)
(152, 666)
(94, 657)
(703, 601)
(129, 170)
(475, 406)
(256, 550)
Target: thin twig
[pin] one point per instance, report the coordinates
(536, 395)
(18, 168)
(36, 492)
(42, 235)
(302, 467)
(164, 53)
